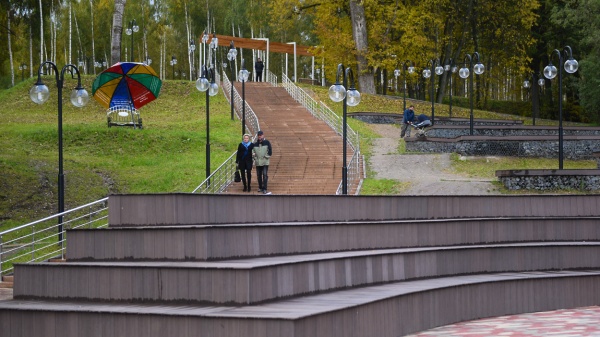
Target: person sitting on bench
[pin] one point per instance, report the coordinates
(423, 121)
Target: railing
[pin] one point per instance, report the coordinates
(271, 78)
(324, 113)
(220, 178)
(39, 240)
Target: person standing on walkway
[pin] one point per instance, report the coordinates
(262, 151)
(407, 119)
(258, 67)
(243, 160)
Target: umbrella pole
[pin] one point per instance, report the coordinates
(131, 112)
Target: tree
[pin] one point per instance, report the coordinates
(117, 30)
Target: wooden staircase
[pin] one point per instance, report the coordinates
(7, 281)
(307, 153)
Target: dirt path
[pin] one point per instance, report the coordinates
(426, 173)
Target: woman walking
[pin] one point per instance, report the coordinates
(243, 160)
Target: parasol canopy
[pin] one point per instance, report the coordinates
(126, 84)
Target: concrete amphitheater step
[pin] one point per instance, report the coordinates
(257, 280)
(303, 146)
(219, 242)
(388, 310)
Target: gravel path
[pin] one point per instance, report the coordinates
(426, 173)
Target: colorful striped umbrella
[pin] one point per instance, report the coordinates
(126, 84)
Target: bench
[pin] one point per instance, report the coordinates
(123, 116)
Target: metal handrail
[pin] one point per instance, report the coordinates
(271, 78)
(323, 112)
(39, 240)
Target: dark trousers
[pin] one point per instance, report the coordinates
(246, 176)
(263, 177)
(259, 76)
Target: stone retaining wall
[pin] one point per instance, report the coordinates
(583, 180)
(503, 131)
(396, 118)
(575, 149)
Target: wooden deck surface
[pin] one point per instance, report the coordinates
(307, 153)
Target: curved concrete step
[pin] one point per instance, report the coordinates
(389, 310)
(258, 280)
(187, 243)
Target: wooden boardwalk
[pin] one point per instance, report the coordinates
(307, 153)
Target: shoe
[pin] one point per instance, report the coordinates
(249, 189)
(260, 190)
(265, 192)
(245, 189)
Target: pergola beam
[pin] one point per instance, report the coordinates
(277, 47)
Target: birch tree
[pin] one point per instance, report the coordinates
(117, 29)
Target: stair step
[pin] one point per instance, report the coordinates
(257, 280)
(5, 284)
(395, 309)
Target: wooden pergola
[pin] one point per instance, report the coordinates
(265, 44)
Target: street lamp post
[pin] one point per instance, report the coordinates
(550, 71)
(351, 97)
(243, 76)
(39, 94)
(437, 69)
(450, 68)
(411, 69)
(22, 68)
(464, 72)
(527, 85)
(211, 88)
(231, 55)
(173, 63)
(132, 28)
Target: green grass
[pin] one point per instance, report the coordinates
(383, 187)
(486, 167)
(168, 155)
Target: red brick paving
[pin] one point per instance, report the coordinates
(564, 323)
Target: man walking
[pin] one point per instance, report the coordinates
(258, 67)
(262, 151)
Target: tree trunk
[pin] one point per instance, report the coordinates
(31, 52)
(189, 39)
(70, 59)
(366, 81)
(41, 34)
(93, 44)
(10, 55)
(117, 30)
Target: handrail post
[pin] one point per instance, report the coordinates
(1, 254)
(33, 243)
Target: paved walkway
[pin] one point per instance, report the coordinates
(565, 323)
(307, 153)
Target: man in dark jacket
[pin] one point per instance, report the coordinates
(407, 119)
(261, 152)
(258, 67)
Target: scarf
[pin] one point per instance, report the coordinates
(246, 144)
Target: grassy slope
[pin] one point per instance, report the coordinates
(168, 155)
